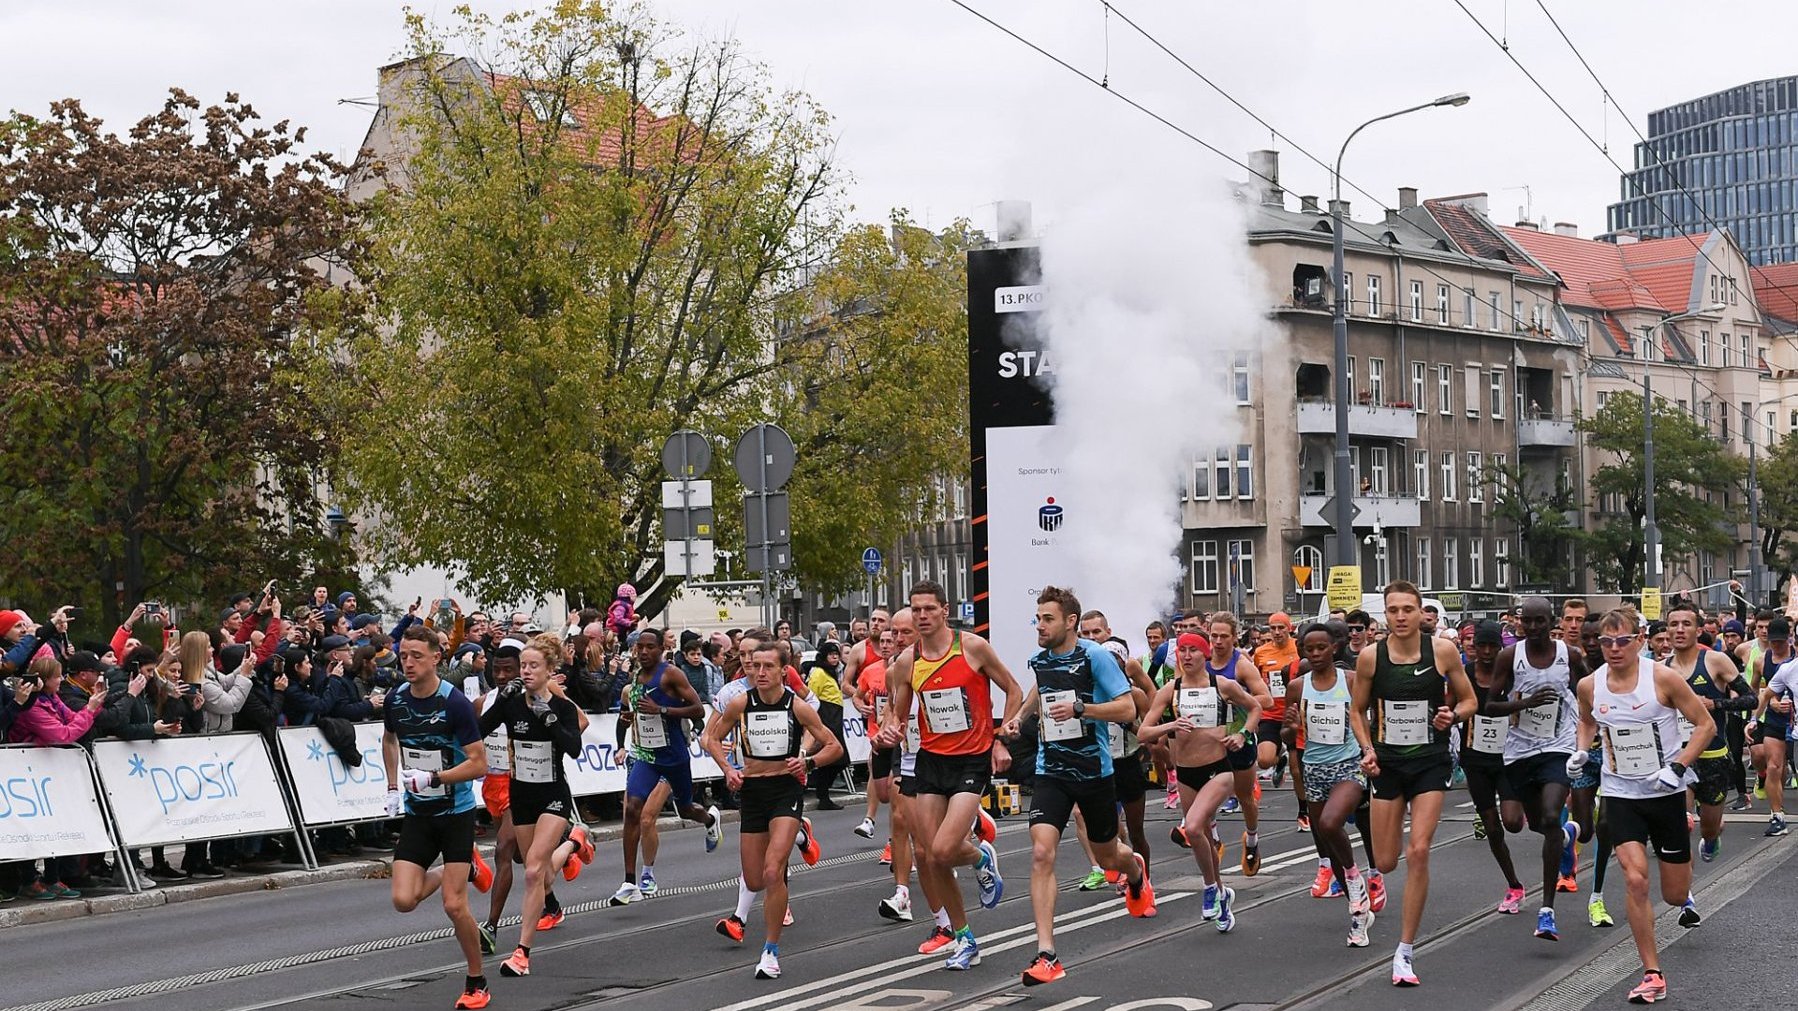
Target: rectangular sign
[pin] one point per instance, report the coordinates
(180, 789)
(1026, 528)
(330, 792)
(1018, 298)
(48, 807)
(705, 557)
(1344, 587)
(1651, 603)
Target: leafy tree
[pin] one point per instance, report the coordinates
(157, 433)
(1537, 509)
(1777, 481)
(1692, 470)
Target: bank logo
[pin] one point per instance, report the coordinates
(1050, 515)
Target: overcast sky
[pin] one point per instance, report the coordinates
(939, 112)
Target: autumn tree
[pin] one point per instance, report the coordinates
(1693, 473)
(158, 436)
(1777, 485)
(1537, 506)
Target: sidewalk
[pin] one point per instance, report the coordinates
(24, 912)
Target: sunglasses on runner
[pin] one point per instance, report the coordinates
(1615, 641)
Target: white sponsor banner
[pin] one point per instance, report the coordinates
(1027, 524)
(600, 767)
(855, 735)
(47, 805)
(179, 789)
(328, 790)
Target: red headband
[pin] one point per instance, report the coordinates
(1193, 640)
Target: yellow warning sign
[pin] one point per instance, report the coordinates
(1651, 603)
(1301, 576)
(1344, 587)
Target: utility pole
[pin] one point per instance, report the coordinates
(1651, 534)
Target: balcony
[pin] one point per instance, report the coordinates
(1318, 417)
(1386, 511)
(1546, 432)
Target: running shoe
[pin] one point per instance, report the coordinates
(1045, 969)
(1688, 915)
(1217, 852)
(1512, 903)
(966, 954)
(768, 967)
(626, 894)
(1094, 880)
(1596, 915)
(809, 850)
(583, 844)
(896, 907)
(1257, 791)
(714, 834)
(1359, 902)
(985, 828)
(517, 965)
(1320, 885)
(1231, 805)
(1760, 788)
(1140, 899)
(1402, 972)
(1545, 925)
(1178, 835)
(1304, 823)
(986, 872)
(648, 883)
(787, 920)
(1336, 889)
(1742, 804)
(731, 927)
(1359, 924)
(474, 998)
(489, 943)
(59, 890)
(551, 920)
(1709, 848)
(1251, 857)
(1226, 916)
(1566, 883)
(1208, 903)
(865, 829)
(886, 856)
(1479, 827)
(1173, 799)
(1776, 826)
(940, 938)
(1652, 988)
(481, 872)
(1376, 891)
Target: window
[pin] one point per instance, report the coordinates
(543, 106)
(1727, 355)
(1649, 348)
(1517, 314)
(1311, 557)
(1723, 419)
(1382, 561)
(1420, 474)
(1451, 563)
(1493, 302)
(1498, 394)
(1704, 414)
(1476, 561)
(1224, 462)
(1351, 375)
(1498, 479)
(1476, 487)
(1417, 301)
(1704, 345)
(1373, 294)
(1445, 388)
(1468, 305)
(1585, 329)
(1348, 293)
(1201, 479)
(1747, 356)
(1470, 377)
(1245, 467)
(1760, 361)
(1204, 566)
(1418, 373)
(1376, 381)
(1377, 466)
(1422, 575)
(1442, 304)
(1242, 564)
(1501, 561)
(1239, 374)
(1448, 477)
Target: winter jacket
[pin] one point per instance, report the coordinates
(46, 720)
(19, 654)
(116, 717)
(271, 640)
(223, 695)
(342, 698)
(303, 702)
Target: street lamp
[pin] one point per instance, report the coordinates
(1346, 552)
(1651, 531)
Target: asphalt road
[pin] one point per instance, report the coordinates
(340, 945)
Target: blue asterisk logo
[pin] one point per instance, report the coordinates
(137, 766)
(315, 752)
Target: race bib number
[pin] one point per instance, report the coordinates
(1633, 751)
(424, 760)
(947, 710)
(1486, 735)
(1276, 683)
(1540, 721)
(1071, 729)
(1326, 722)
(651, 731)
(1686, 729)
(1116, 739)
(911, 737)
(534, 761)
(498, 747)
(880, 709)
(1198, 705)
(1404, 723)
(768, 735)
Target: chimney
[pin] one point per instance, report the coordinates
(1531, 225)
(1308, 205)
(1014, 220)
(1567, 228)
(1392, 217)
(1407, 197)
(1266, 165)
(1341, 206)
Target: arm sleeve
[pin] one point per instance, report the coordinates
(491, 718)
(271, 639)
(45, 726)
(567, 728)
(119, 636)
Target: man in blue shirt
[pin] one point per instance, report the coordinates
(1080, 691)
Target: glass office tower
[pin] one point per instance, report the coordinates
(1732, 156)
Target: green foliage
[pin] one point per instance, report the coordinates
(1777, 479)
(1537, 507)
(1692, 472)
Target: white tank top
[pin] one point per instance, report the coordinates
(1545, 729)
(1639, 736)
(498, 744)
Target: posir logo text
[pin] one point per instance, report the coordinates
(187, 781)
(26, 796)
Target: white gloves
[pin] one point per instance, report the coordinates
(1673, 779)
(396, 803)
(1576, 762)
(415, 780)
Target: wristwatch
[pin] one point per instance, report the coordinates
(1679, 768)
(435, 780)
(1079, 708)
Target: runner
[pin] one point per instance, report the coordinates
(1319, 701)
(1419, 696)
(657, 707)
(496, 793)
(1278, 661)
(1483, 758)
(1633, 709)
(1200, 746)
(542, 727)
(953, 674)
(860, 655)
(1128, 777)
(771, 722)
(1079, 691)
(869, 695)
(1235, 665)
(1722, 691)
(431, 749)
(1533, 687)
(1772, 726)
(1161, 669)
(1584, 800)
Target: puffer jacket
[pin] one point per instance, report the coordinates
(222, 696)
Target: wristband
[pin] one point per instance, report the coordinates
(1679, 768)
(436, 781)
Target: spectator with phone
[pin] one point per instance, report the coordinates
(45, 720)
(19, 638)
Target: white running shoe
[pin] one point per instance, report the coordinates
(865, 829)
(896, 907)
(626, 894)
(714, 834)
(1359, 924)
(769, 966)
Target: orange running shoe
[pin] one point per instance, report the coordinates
(1045, 969)
(481, 873)
(939, 939)
(886, 856)
(550, 921)
(476, 999)
(1320, 887)
(517, 965)
(985, 828)
(1139, 900)
(583, 844)
(732, 928)
(809, 849)
(1566, 883)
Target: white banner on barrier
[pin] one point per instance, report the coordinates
(47, 805)
(855, 735)
(328, 790)
(600, 767)
(180, 789)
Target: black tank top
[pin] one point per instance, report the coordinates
(769, 730)
(1404, 683)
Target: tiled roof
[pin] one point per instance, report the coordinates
(1474, 234)
(1776, 290)
(605, 148)
(1593, 272)
(1668, 267)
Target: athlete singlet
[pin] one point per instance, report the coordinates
(1273, 662)
(1705, 688)
(1234, 718)
(657, 739)
(1639, 735)
(1544, 729)
(954, 701)
(769, 731)
(1325, 717)
(1483, 737)
(1405, 699)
